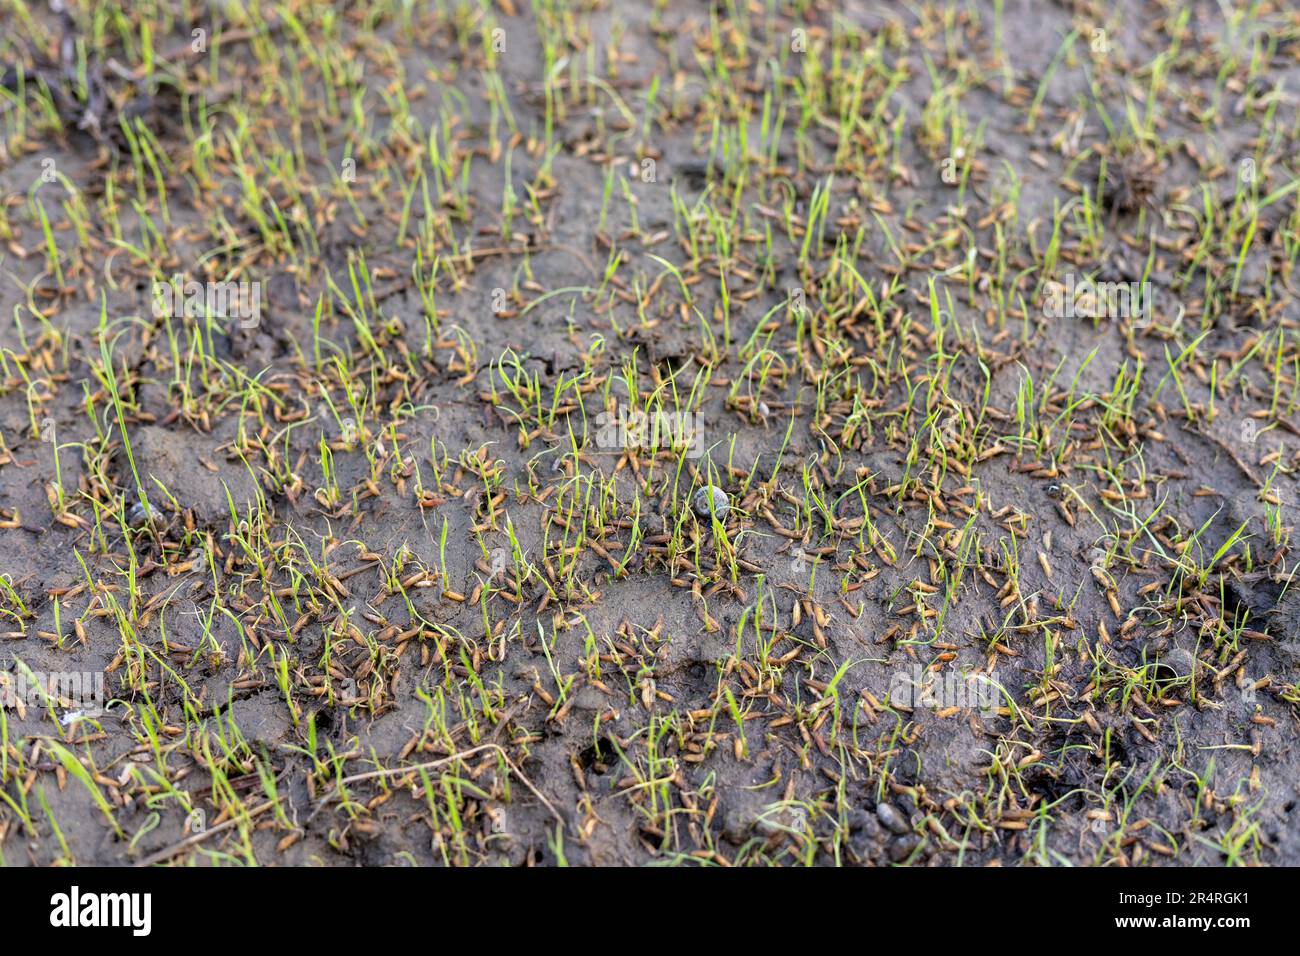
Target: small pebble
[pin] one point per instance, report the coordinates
(721, 504)
(894, 821)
